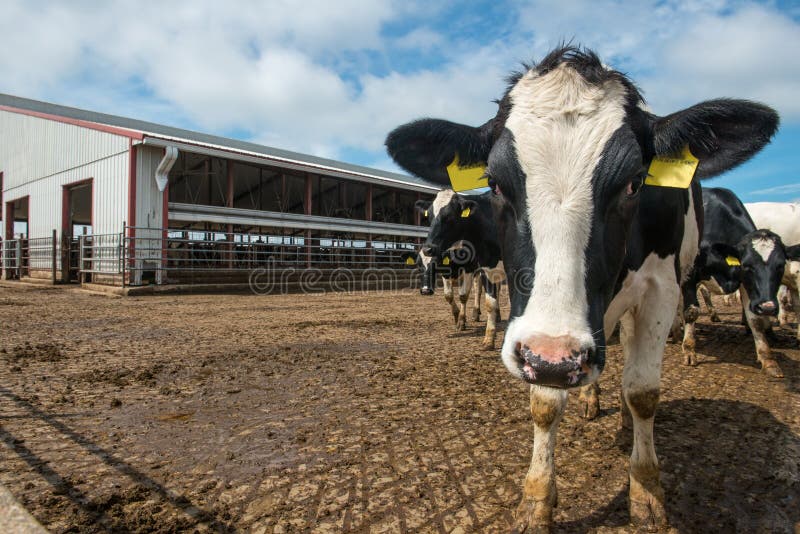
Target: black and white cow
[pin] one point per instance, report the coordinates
(783, 218)
(463, 234)
(734, 253)
(585, 244)
(429, 267)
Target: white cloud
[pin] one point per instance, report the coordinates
(296, 77)
(778, 190)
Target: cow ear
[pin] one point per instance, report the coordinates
(423, 206)
(729, 253)
(720, 133)
(793, 253)
(467, 206)
(427, 146)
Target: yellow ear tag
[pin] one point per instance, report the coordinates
(672, 172)
(465, 213)
(426, 213)
(446, 261)
(466, 178)
(730, 260)
(410, 261)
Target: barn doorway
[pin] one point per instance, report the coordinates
(16, 232)
(76, 222)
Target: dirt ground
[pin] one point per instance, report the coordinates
(359, 412)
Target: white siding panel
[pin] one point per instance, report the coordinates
(39, 156)
(33, 149)
(109, 202)
(149, 200)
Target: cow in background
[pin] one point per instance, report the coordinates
(463, 238)
(429, 267)
(734, 255)
(587, 242)
(783, 218)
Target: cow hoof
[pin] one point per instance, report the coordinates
(772, 368)
(715, 318)
(461, 324)
(649, 516)
(690, 358)
(487, 344)
(589, 401)
(529, 517)
(476, 315)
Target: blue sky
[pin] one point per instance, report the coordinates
(332, 78)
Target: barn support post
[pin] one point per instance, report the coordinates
(229, 203)
(19, 257)
(54, 255)
(308, 211)
(368, 208)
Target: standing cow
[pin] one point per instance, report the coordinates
(463, 234)
(734, 253)
(585, 243)
(783, 218)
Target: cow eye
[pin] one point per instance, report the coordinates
(634, 186)
(493, 186)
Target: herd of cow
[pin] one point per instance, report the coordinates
(596, 219)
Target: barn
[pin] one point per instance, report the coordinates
(95, 198)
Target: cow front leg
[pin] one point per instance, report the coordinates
(447, 289)
(476, 291)
(492, 308)
(463, 297)
(784, 305)
(589, 401)
(710, 305)
(643, 338)
(688, 346)
(539, 497)
(758, 327)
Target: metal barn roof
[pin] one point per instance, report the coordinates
(160, 135)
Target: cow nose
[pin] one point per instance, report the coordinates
(768, 307)
(554, 361)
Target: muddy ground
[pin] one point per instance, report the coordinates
(363, 413)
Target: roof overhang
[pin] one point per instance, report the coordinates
(264, 159)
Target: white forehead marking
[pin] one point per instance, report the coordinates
(561, 124)
(442, 199)
(764, 246)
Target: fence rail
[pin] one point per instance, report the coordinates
(140, 255)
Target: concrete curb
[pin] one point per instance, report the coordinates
(14, 517)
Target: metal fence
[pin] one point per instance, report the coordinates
(139, 256)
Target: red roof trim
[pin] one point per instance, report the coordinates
(124, 132)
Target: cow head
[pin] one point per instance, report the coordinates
(762, 258)
(721, 262)
(568, 152)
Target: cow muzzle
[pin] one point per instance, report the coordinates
(560, 362)
(767, 307)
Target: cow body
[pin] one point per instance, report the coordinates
(734, 253)
(585, 243)
(464, 234)
(783, 218)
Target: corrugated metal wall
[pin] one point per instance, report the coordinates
(149, 203)
(38, 156)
